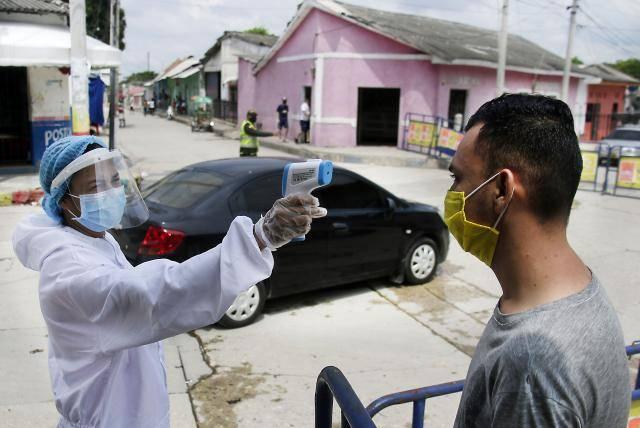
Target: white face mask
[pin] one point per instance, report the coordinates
(103, 210)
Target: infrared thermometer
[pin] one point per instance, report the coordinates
(305, 177)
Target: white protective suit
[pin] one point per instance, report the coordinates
(106, 318)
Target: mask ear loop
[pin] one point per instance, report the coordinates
(513, 190)
(483, 183)
(75, 216)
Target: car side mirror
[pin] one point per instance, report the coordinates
(391, 204)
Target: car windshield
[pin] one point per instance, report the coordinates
(184, 188)
(625, 134)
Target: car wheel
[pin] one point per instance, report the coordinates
(246, 308)
(421, 261)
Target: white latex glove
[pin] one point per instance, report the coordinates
(289, 217)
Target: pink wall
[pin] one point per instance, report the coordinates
(424, 87)
(481, 86)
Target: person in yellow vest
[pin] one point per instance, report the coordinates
(249, 135)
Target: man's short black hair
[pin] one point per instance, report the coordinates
(534, 136)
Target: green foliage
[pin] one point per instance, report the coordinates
(258, 30)
(141, 77)
(576, 61)
(629, 66)
(98, 21)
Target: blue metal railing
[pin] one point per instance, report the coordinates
(333, 384)
(418, 397)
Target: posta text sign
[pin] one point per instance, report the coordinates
(589, 166)
(421, 133)
(629, 173)
(448, 141)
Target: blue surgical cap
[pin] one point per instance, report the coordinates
(57, 156)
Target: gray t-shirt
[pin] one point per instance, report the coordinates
(561, 364)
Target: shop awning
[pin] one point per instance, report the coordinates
(28, 44)
(187, 73)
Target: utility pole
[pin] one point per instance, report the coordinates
(115, 42)
(567, 58)
(79, 68)
(148, 60)
(111, 26)
(502, 48)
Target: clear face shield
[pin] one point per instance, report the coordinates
(104, 192)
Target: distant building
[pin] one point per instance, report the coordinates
(365, 69)
(179, 82)
(221, 65)
(606, 100)
(35, 55)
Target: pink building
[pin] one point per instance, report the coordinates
(365, 69)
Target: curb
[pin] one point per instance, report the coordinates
(229, 130)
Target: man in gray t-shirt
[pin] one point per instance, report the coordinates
(552, 354)
(561, 364)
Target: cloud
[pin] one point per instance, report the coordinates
(170, 29)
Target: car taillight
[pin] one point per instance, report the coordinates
(160, 241)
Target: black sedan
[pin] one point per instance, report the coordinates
(368, 232)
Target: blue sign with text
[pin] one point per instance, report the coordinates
(45, 132)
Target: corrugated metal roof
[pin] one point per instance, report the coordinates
(445, 41)
(451, 41)
(34, 6)
(609, 74)
(255, 39)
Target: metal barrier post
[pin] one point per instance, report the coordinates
(418, 414)
(634, 349)
(332, 384)
(606, 176)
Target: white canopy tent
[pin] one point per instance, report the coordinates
(29, 44)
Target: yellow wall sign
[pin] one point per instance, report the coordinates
(448, 141)
(629, 173)
(421, 133)
(589, 166)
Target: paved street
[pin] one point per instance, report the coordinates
(385, 338)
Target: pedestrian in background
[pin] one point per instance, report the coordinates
(283, 119)
(304, 122)
(249, 134)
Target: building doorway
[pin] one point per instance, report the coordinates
(378, 116)
(15, 134)
(457, 104)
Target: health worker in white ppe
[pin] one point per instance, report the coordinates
(106, 318)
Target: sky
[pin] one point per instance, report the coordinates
(168, 29)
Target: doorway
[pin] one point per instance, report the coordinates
(378, 116)
(457, 104)
(15, 134)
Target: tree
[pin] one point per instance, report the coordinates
(258, 30)
(99, 21)
(141, 77)
(629, 66)
(576, 61)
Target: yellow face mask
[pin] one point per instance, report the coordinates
(476, 239)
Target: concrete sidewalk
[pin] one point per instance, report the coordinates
(372, 155)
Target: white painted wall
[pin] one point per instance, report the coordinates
(46, 19)
(226, 61)
(48, 93)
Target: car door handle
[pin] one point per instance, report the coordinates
(340, 227)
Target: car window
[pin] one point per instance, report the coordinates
(257, 196)
(348, 192)
(184, 188)
(625, 134)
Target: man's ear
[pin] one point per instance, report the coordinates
(506, 185)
